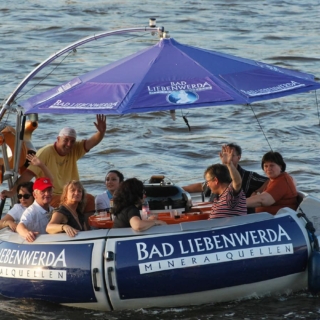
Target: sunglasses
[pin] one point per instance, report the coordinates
(24, 196)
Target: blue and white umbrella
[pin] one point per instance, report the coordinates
(169, 76)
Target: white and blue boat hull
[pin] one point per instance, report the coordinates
(174, 265)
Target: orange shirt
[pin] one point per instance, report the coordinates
(283, 191)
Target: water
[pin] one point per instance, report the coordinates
(284, 33)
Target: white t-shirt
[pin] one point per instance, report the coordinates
(35, 218)
(102, 201)
(16, 212)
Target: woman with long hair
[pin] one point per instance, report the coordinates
(69, 216)
(112, 180)
(126, 201)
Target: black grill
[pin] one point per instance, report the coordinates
(161, 197)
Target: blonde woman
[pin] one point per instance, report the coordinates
(69, 216)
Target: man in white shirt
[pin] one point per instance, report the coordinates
(35, 218)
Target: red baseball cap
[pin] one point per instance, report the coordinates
(42, 183)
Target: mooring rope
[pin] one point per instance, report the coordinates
(260, 127)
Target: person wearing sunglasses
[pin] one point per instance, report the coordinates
(24, 195)
(25, 199)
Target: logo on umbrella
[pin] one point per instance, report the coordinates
(182, 97)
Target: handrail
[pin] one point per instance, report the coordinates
(152, 28)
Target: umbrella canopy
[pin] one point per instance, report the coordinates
(169, 76)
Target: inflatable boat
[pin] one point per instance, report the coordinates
(189, 261)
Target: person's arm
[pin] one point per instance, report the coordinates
(30, 236)
(101, 126)
(264, 199)
(141, 225)
(58, 224)
(275, 191)
(235, 176)
(8, 221)
(261, 189)
(192, 188)
(34, 160)
(25, 177)
(226, 156)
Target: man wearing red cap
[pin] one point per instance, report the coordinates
(35, 218)
(61, 159)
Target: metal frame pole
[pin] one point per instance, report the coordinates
(70, 47)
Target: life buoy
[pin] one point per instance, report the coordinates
(8, 136)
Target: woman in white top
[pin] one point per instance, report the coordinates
(112, 181)
(25, 198)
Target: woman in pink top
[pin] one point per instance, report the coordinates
(277, 192)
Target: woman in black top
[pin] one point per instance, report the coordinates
(69, 217)
(128, 197)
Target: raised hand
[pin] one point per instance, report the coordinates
(226, 154)
(101, 123)
(34, 160)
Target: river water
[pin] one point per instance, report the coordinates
(284, 33)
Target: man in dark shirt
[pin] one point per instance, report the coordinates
(251, 181)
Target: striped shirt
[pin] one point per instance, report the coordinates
(228, 204)
(251, 181)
